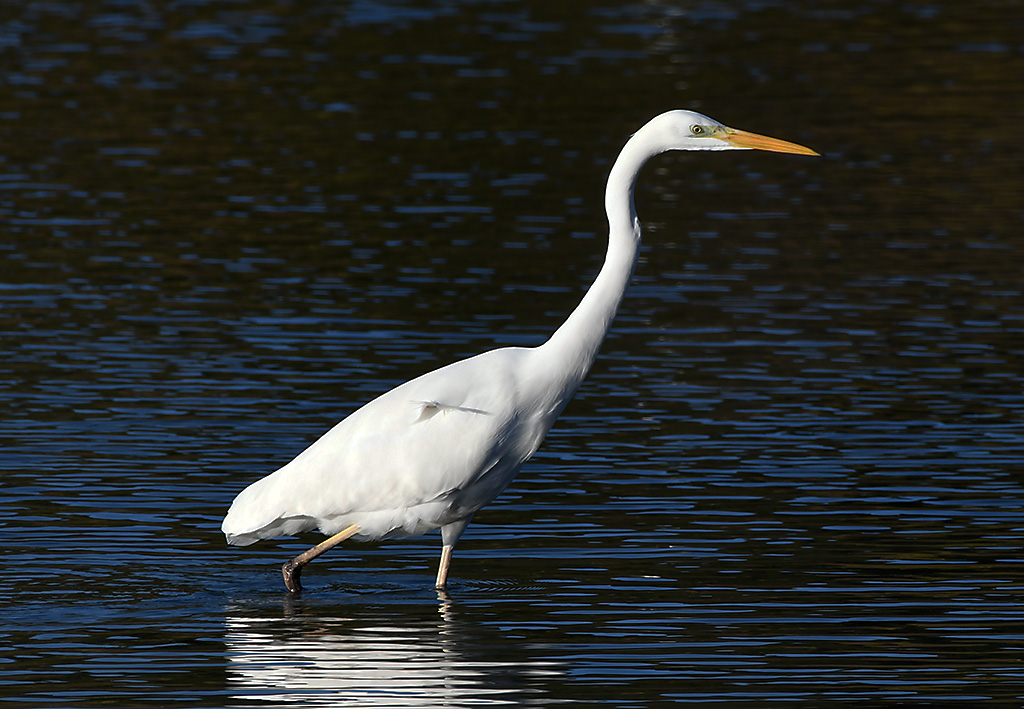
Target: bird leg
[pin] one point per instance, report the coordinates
(293, 569)
(442, 568)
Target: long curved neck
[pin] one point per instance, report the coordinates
(573, 346)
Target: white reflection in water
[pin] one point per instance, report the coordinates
(327, 661)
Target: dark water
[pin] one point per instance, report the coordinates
(794, 475)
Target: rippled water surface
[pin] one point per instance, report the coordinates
(795, 473)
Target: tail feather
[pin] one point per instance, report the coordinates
(257, 514)
(281, 527)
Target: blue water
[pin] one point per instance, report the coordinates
(793, 476)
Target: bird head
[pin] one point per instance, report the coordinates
(689, 130)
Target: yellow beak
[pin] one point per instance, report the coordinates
(743, 139)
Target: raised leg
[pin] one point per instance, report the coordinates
(293, 569)
(442, 568)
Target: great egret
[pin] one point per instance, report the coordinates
(431, 452)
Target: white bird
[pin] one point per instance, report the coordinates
(431, 452)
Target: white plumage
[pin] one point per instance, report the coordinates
(431, 452)
(428, 453)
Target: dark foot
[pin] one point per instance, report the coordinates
(291, 572)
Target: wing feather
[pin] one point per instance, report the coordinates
(432, 450)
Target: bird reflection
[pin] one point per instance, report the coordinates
(380, 661)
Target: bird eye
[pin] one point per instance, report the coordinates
(696, 129)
